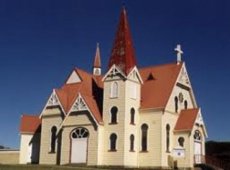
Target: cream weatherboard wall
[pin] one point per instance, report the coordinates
(151, 158)
(73, 121)
(114, 157)
(124, 101)
(50, 117)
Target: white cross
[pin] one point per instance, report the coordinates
(179, 53)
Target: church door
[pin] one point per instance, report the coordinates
(197, 148)
(29, 153)
(197, 152)
(79, 138)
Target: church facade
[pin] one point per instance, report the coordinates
(130, 116)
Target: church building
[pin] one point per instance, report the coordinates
(128, 116)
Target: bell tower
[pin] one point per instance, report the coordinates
(122, 84)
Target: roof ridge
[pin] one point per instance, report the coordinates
(160, 65)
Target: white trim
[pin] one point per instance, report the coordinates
(138, 74)
(203, 124)
(74, 109)
(184, 71)
(56, 102)
(79, 105)
(114, 70)
(190, 87)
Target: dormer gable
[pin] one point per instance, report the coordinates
(150, 77)
(53, 102)
(73, 78)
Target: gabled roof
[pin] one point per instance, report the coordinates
(29, 124)
(186, 120)
(97, 58)
(88, 88)
(156, 92)
(122, 54)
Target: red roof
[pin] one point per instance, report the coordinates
(89, 90)
(29, 124)
(97, 58)
(156, 90)
(186, 120)
(122, 54)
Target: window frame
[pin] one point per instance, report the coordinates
(132, 116)
(144, 137)
(114, 89)
(113, 142)
(113, 115)
(132, 140)
(168, 138)
(53, 139)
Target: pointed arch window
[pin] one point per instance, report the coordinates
(185, 104)
(132, 142)
(53, 139)
(176, 104)
(144, 137)
(167, 137)
(132, 116)
(113, 112)
(114, 90)
(113, 140)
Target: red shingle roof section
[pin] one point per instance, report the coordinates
(122, 54)
(186, 120)
(88, 88)
(29, 124)
(97, 58)
(156, 92)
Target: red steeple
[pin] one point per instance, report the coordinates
(97, 58)
(122, 54)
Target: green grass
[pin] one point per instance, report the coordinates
(44, 167)
(66, 167)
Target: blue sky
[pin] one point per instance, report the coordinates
(42, 41)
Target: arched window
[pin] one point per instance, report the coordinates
(197, 135)
(53, 139)
(113, 139)
(114, 90)
(144, 137)
(181, 141)
(132, 116)
(132, 142)
(80, 133)
(113, 112)
(167, 137)
(176, 103)
(185, 104)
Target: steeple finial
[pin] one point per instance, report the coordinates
(179, 53)
(97, 62)
(122, 54)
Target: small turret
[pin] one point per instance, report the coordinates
(97, 62)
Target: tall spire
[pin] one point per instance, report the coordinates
(97, 62)
(122, 54)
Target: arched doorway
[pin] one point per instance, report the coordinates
(79, 141)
